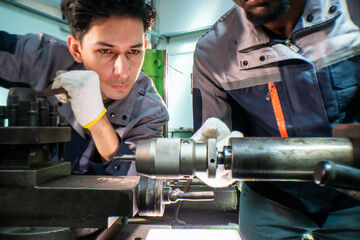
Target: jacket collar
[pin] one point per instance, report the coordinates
(318, 11)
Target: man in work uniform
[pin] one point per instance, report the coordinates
(112, 105)
(288, 68)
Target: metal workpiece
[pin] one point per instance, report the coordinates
(152, 195)
(225, 199)
(171, 158)
(125, 157)
(222, 210)
(172, 196)
(288, 159)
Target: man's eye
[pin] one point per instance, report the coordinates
(105, 51)
(134, 51)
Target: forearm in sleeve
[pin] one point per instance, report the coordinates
(209, 100)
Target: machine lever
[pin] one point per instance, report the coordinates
(51, 92)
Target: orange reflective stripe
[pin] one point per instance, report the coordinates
(277, 110)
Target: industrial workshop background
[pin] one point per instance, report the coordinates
(180, 25)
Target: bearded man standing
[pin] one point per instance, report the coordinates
(288, 68)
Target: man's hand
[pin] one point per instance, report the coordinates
(214, 128)
(83, 89)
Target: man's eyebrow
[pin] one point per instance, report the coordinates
(111, 45)
(105, 44)
(137, 45)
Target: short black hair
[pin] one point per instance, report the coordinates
(82, 13)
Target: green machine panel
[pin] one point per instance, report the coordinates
(155, 66)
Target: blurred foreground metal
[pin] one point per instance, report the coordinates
(248, 159)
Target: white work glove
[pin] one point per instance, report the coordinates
(214, 128)
(83, 91)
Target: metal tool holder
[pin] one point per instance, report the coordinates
(32, 133)
(36, 192)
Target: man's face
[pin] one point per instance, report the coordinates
(115, 49)
(262, 12)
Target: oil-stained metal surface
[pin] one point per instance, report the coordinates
(73, 201)
(34, 135)
(288, 159)
(34, 176)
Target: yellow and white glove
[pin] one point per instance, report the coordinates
(83, 91)
(215, 128)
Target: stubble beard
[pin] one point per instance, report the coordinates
(272, 15)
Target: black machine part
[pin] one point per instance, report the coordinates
(331, 174)
(33, 130)
(344, 178)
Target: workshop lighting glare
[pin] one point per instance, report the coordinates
(192, 234)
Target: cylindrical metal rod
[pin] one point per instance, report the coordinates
(172, 196)
(289, 159)
(197, 196)
(336, 175)
(125, 157)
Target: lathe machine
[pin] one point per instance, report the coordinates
(35, 192)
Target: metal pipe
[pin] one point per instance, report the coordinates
(289, 159)
(34, 10)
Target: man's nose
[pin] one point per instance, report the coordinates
(121, 67)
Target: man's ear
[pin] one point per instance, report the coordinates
(74, 48)
(146, 42)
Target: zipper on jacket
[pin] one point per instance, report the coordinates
(294, 35)
(291, 45)
(272, 42)
(268, 96)
(279, 116)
